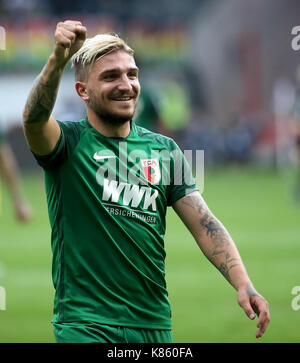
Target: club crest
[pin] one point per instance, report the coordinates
(151, 170)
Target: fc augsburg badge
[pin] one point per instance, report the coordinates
(151, 170)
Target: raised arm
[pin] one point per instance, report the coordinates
(41, 129)
(217, 245)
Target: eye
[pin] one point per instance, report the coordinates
(110, 77)
(132, 75)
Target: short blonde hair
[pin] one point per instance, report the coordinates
(95, 48)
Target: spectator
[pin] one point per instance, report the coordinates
(9, 172)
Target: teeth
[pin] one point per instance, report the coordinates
(123, 99)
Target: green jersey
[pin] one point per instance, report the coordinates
(107, 200)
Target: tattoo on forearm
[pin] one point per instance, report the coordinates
(224, 271)
(250, 290)
(41, 100)
(219, 236)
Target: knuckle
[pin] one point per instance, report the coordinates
(68, 25)
(72, 23)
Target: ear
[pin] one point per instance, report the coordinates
(81, 90)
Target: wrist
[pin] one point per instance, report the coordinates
(248, 288)
(244, 285)
(57, 64)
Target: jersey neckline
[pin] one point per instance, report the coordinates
(113, 138)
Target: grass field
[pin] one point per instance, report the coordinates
(255, 207)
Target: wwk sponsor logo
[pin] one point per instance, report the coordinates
(132, 194)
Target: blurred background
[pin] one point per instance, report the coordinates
(218, 76)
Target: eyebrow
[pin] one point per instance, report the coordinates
(118, 70)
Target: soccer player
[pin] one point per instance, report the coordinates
(9, 172)
(108, 185)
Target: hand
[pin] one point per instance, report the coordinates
(68, 39)
(253, 303)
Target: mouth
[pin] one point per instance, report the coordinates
(122, 99)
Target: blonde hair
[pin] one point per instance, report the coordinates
(95, 48)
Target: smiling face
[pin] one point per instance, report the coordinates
(113, 88)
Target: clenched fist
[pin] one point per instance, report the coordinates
(68, 39)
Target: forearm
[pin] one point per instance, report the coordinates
(219, 248)
(214, 240)
(42, 97)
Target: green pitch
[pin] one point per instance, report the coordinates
(256, 208)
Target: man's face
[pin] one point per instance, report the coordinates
(113, 87)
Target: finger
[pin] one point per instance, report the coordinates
(80, 29)
(62, 41)
(81, 32)
(67, 26)
(263, 322)
(261, 330)
(68, 34)
(74, 26)
(73, 33)
(245, 305)
(249, 312)
(260, 306)
(71, 23)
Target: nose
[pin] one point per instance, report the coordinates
(125, 84)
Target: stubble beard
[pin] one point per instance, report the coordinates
(105, 115)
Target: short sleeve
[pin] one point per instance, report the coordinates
(68, 140)
(182, 181)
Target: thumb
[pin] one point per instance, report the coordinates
(249, 311)
(246, 306)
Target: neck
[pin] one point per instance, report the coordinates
(106, 129)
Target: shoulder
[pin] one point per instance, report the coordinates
(72, 130)
(73, 126)
(157, 138)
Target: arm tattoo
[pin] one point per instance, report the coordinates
(41, 99)
(250, 290)
(215, 230)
